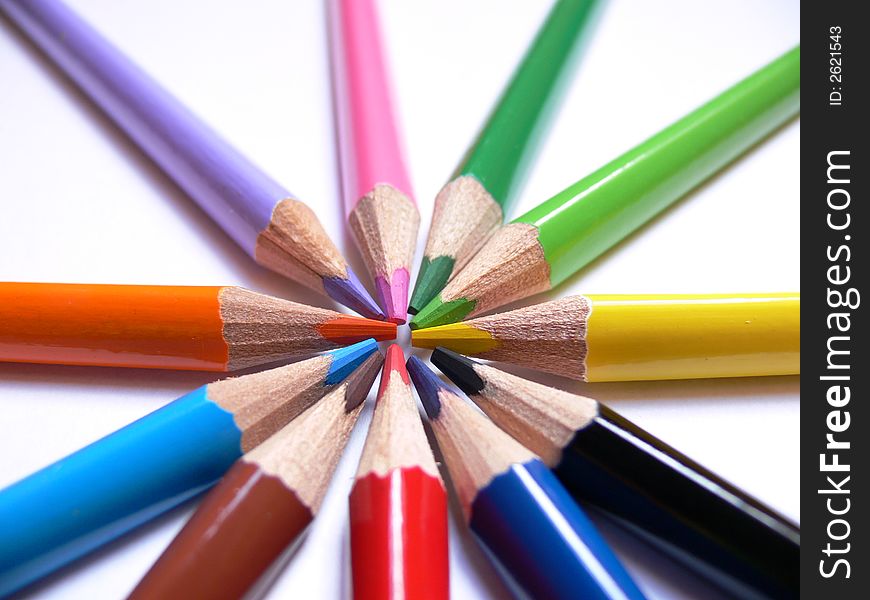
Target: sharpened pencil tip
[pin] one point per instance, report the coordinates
(428, 385)
(393, 295)
(346, 360)
(433, 276)
(353, 295)
(360, 381)
(459, 369)
(438, 312)
(461, 337)
(348, 329)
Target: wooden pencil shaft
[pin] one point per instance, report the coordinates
(276, 230)
(682, 508)
(224, 183)
(398, 504)
(167, 327)
(398, 536)
(544, 541)
(637, 337)
(470, 207)
(89, 498)
(554, 240)
(250, 512)
(377, 190)
(502, 152)
(578, 224)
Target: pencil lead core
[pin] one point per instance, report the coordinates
(459, 369)
(433, 276)
(394, 295)
(428, 385)
(359, 383)
(350, 292)
(346, 360)
(439, 312)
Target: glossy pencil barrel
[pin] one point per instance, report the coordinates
(378, 197)
(633, 337)
(578, 224)
(233, 191)
(682, 508)
(531, 525)
(167, 327)
(646, 337)
(398, 532)
(479, 195)
(242, 526)
(370, 146)
(115, 484)
(501, 154)
(170, 327)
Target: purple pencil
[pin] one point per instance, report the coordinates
(278, 231)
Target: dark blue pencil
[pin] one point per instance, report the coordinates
(94, 495)
(542, 541)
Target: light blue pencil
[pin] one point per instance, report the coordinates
(121, 481)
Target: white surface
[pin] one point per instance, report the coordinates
(81, 204)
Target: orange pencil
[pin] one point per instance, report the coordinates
(167, 327)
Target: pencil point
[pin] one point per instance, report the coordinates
(438, 312)
(433, 276)
(428, 385)
(461, 337)
(348, 329)
(350, 292)
(394, 364)
(360, 381)
(394, 295)
(459, 369)
(346, 360)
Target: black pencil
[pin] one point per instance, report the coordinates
(655, 491)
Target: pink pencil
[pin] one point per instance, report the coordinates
(377, 192)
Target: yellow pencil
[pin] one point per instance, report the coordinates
(637, 337)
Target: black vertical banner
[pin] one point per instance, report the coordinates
(835, 434)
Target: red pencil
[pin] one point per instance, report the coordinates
(398, 505)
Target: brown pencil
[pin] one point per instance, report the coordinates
(263, 504)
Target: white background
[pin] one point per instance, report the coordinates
(81, 204)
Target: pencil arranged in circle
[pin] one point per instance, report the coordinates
(554, 240)
(516, 507)
(635, 337)
(377, 190)
(398, 504)
(473, 204)
(263, 504)
(277, 230)
(167, 327)
(142, 470)
(689, 512)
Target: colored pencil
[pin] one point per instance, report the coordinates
(377, 190)
(554, 240)
(263, 504)
(687, 511)
(167, 327)
(473, 204)
(121, 481)
(277, 230)
(637, 337)
(515, 506)
(398, 505)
